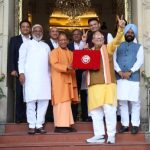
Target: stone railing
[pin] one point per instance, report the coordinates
(2, 76)
(147, 85)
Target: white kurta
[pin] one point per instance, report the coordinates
(129, 90)
(33, 62)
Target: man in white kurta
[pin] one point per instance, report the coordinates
(128, 59)
(35, 77)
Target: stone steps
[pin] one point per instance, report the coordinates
(16, 138)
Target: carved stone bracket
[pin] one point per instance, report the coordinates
(118, 7)
(1, 17)
(146, 41)
(146, 21)
(17, 20)
(146, 3)
(128, 10)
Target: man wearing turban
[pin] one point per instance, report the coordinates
(128, 59)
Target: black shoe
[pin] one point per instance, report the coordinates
(124, 129)
(18, 121)
(134, 130)
(49, 120)
(71, 129)
(87, 119)
(61, 130)
(118, 118)
(31, 131)
(40, 130)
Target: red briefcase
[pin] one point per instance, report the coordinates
(86, 59)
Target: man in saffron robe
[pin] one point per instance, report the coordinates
(64, 87)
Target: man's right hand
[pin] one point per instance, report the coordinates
(84, 36)
(22, 78)
(70, 68)
(14, 73)
(120, 74)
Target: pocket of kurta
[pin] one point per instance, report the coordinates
(67, 78)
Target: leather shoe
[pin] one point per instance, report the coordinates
(40, 130)
(71, 129)
(87, 119)
(124, 129)
(61, 130)
(31, 131)
(18, 121)
(134, 130)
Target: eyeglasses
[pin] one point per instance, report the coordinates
(38, 31)
(77, 34)
(100, 39)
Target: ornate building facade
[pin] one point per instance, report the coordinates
(136, 11)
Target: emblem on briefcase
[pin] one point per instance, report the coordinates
(85, 59)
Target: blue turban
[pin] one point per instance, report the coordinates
(133, 27)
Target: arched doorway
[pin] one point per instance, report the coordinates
(44, 12)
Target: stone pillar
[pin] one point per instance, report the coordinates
(140, 16)
(42, 9)
(146, 34)
(145, 23)
(40, 12)
(6, 30)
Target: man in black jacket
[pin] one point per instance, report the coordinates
(15, 43)
(53, 40)
(94, 25)
(78, 43)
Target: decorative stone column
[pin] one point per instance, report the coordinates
(140, 16)
(43, 9)
(146, 34)
(6, 30)
(146, 39)
(37, 9)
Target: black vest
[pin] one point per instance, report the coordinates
(50, 44)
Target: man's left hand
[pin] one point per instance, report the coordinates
(126, 75)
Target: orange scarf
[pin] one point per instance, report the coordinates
(106, 66)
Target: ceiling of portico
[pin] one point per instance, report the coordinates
(56, 18)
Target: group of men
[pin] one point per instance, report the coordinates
(45, 72)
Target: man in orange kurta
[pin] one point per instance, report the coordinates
(64, 87)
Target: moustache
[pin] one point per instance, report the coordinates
(129, 36)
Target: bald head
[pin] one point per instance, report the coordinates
(54, 33)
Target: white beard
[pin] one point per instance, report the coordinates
(37, 38)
